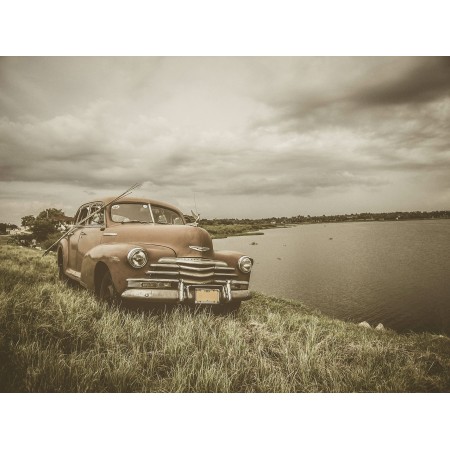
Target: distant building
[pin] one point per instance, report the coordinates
(18, 231)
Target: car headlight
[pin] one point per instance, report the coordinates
(137, 258)
(245, 264)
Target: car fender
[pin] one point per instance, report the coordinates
(63, 247)
(232, 258)
(114, 256)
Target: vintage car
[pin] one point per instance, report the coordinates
(142, 249)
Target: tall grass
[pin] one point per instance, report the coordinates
(55, 338)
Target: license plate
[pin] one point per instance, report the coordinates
(207, 296)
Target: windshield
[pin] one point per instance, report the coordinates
(144, 213)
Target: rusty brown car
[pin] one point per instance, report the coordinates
(142, 249)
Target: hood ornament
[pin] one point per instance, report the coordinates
(199, 249)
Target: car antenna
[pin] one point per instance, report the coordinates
(196, 213)
(124, 194)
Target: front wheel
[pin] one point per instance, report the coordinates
(108, 291)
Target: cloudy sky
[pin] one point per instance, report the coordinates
(244, 137)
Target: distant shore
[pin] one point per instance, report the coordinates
(229, 230)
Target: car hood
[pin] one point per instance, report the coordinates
(185, 241)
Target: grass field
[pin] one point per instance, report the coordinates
(55, 338)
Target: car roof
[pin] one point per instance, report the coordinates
(106, 200)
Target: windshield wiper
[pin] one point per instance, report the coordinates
(135, 221)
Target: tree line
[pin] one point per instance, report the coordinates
(50, 222)
(366, 216)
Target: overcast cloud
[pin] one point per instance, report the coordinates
(248, 137)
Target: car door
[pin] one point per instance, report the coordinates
(74, 237)
(91, 234)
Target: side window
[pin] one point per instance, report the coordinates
(98, 217)
(83, 213)
(166, 216)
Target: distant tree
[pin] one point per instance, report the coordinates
(27, 221)
(46, 223)
(51, 213)
(42, 228)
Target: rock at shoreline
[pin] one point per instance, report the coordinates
(379, 327)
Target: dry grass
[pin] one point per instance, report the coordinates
(55, 338)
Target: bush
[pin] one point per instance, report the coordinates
(42, 228)
(53, 237)
(21, 239)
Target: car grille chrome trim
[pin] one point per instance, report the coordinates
(193, 261)
(132, 281)
(191, 270)
(204, 269)
(161, 272)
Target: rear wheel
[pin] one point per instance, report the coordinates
(108, 291)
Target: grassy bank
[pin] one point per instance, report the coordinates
(55, 338)
(223, 231)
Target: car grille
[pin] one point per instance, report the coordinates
(191, 271)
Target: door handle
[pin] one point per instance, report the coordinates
(83, 233)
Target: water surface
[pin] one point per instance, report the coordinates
(396, 273)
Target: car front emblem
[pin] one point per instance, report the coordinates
(199, 249)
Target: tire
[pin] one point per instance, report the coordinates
(107, 291)
(61, 275)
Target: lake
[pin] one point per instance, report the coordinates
(394, 273)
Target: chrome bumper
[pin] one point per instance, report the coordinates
(183, 294)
